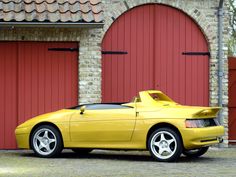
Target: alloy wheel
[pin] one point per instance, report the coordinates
(165, 145)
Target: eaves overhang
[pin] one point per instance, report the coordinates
(51, 25)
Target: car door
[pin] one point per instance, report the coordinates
(109, 125)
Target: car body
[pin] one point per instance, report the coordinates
(151, 122)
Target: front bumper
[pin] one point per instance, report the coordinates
(199, 137)
(22, 137)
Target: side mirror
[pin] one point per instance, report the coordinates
(82, 109)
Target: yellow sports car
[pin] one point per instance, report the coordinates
(151, 122)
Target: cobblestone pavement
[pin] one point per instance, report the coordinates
(216, 163)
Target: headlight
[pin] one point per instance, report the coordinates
(200, 123)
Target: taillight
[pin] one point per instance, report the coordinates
(200, 123)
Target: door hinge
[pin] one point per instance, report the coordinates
(114, 52)
(197, 53)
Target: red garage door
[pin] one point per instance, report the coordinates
(232, 100)
(33, 81)
(166, 50)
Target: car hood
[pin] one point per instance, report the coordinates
(57, 116)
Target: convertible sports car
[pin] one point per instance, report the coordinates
(151, 122)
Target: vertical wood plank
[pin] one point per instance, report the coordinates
(120, 62)
(156, 45)
(41, 77)
(127, 58)
(232, 98)
(188, 65)
(2, 94)
(74, 65)
(139, 50)
(10, 92)
(182, 60)
(133, 52)
(176, 57)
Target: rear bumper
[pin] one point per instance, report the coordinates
(199, 137)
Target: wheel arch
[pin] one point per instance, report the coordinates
(44, 123)
(163, 125)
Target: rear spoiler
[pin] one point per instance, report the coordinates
(207, 112)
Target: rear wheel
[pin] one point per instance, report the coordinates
(46, 141)
(194, 153)
(165, 145)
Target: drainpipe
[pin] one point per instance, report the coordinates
(220, 58)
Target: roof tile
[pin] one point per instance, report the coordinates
(61, 1)
(75, 7)
(76, 17)
(9, 6)
(29, 7)
(64, 7)
(66, 16)
(54, 17)
(96, 9)
(20, 16)
(8, 16)
(83, 1)
(41, 16)
(1, 15)
(30, 16)
(51, 10)
(98, 17)
(94, 2)
(88, 17)
(7, 1)
(85, 8)
(39, 8)
(72, 1)
(52, 7)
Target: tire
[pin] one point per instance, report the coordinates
(165, 145)
(194, 153)
(46, 141)
(81, 151)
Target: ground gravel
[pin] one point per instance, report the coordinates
(216, 163)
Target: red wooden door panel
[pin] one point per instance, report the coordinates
(155, 36)
(34, 81)
(232, 100)
(47, 79)
(8, 94)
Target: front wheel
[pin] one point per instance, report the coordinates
(46, 141)
(165, 145)
(194, 153)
